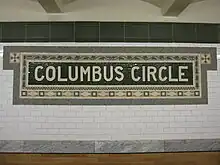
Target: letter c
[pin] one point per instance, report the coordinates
(36, 73)
(133, 75)
(160, 73)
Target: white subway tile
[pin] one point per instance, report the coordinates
(12, 112)
(47, 125)
(70, 125)
(36, 113)
(86, 125)
(35, 125)
(24, 112)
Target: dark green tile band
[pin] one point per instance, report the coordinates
(87, 31)
(109, 32)
(61, 31)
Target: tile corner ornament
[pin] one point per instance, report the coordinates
(51, 75)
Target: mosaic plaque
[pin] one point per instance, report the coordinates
(110, 75)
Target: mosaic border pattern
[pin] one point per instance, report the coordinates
(137, 146)
(205, 60)
(51, 92)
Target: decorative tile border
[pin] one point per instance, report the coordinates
(16, 58)
(137, 146)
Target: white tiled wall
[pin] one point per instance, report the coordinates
(22, 122)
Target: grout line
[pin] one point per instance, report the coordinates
(99, 32)
(74, 32)
(124, 29)
(1, 32)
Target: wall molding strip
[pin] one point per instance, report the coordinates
(136, 146)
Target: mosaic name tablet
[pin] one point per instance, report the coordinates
(110, 75)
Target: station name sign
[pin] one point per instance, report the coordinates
(110, 75)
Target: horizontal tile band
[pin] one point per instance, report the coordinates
(137, 146)
(140, 32)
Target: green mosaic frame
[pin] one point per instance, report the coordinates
(55, 91)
